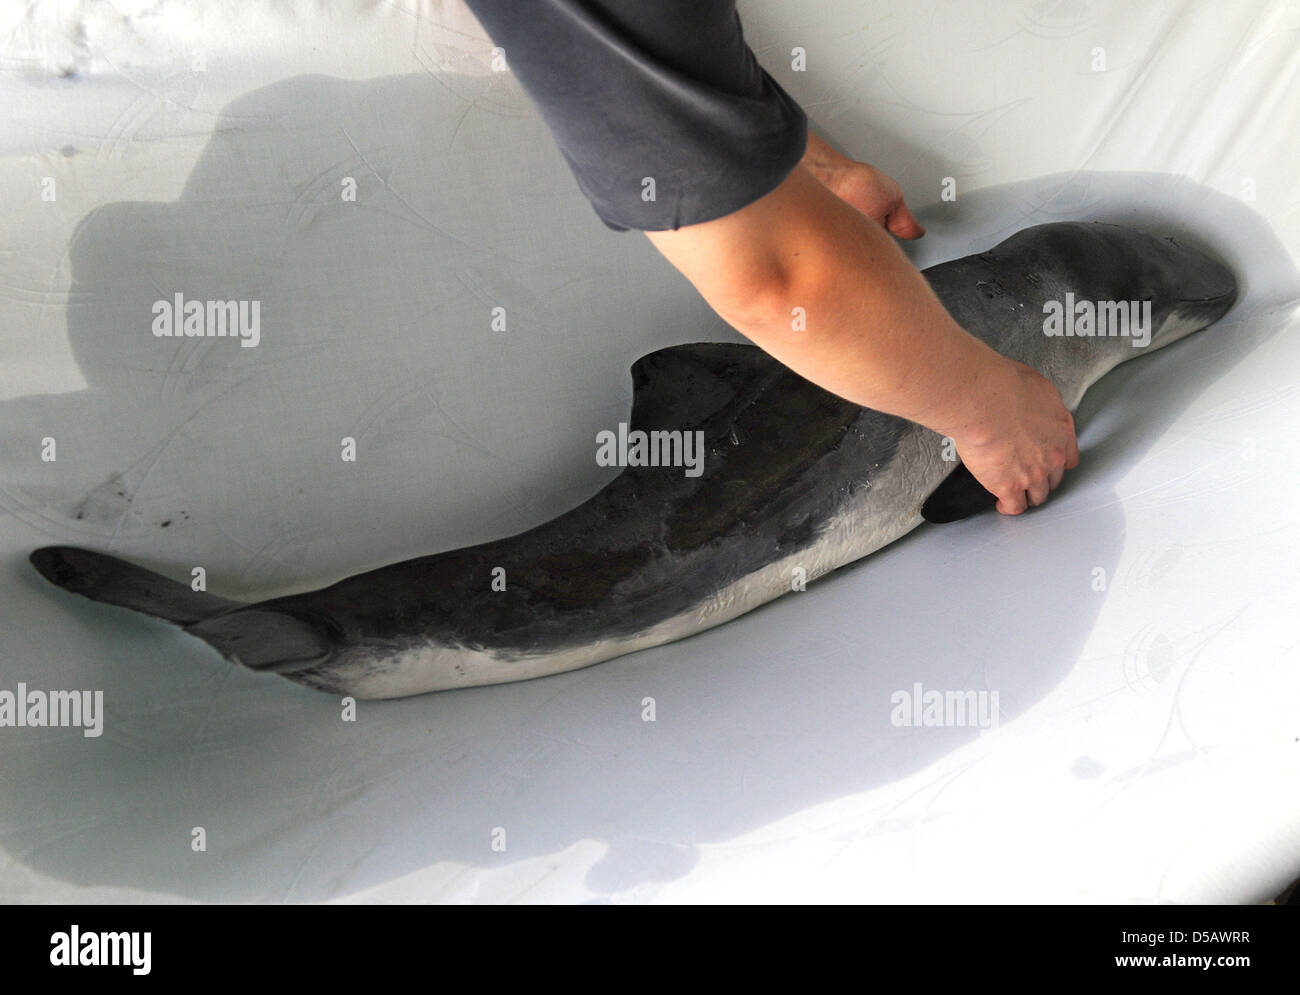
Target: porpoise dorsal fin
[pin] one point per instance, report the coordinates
(681, 386)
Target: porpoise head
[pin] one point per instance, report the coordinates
(1119, 293)
(1074, 300)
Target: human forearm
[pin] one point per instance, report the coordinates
(871, 329)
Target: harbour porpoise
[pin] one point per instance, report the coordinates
(794, 482)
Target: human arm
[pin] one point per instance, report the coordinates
(873, 330)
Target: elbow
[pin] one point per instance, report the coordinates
(772, 307)
(754, 299)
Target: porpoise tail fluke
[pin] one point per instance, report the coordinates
(105, 578)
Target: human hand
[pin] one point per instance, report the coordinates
(1025, 442)
(862, 186)
(877, 196)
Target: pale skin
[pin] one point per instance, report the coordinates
(874, 331)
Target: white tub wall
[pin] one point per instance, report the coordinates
(1146, 745)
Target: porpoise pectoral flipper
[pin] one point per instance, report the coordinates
(959, 496)
(787, 483)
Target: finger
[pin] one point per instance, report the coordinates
(903, 223)
(1072, 459)
(1012, 502)
(1038, 492)
(1054, 480)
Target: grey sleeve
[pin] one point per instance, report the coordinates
(659, 106)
